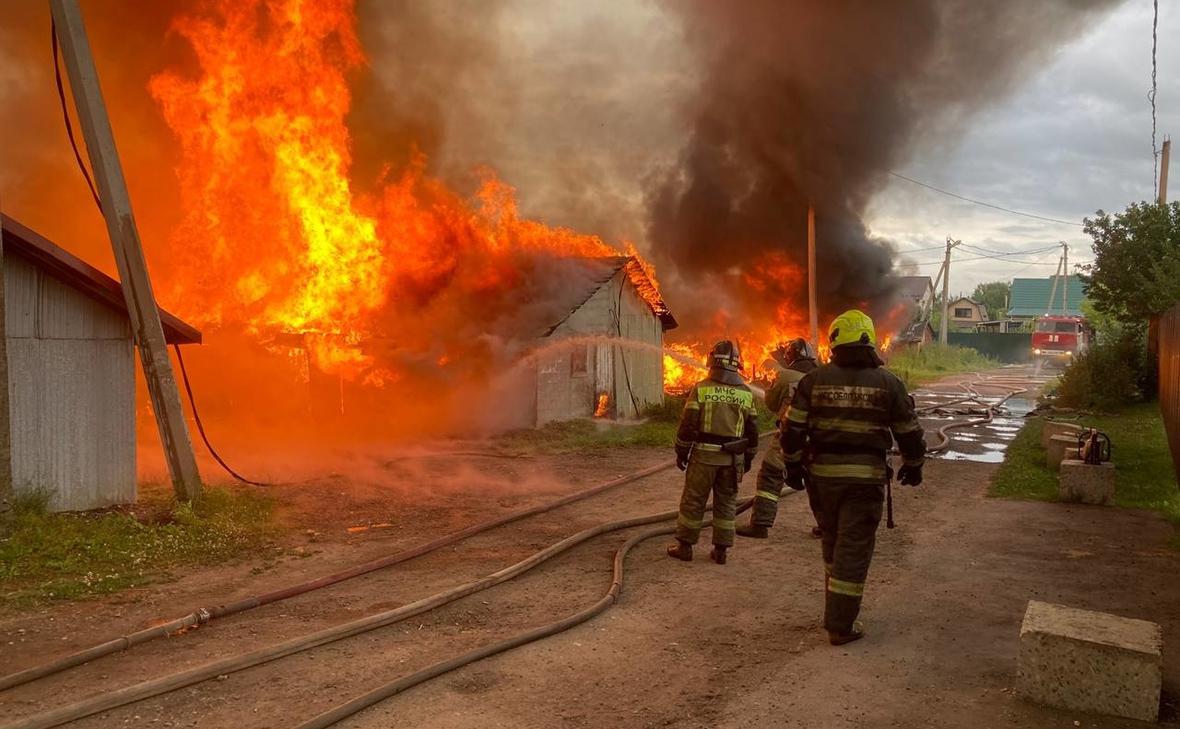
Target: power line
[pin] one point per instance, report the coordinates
(1155, 152)
(981, 258)
(984, 204)
(1030, 252)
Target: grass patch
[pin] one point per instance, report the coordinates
(65, 556)
(1023, 474)
(658, 429)
(918, 366)
(1146, 479)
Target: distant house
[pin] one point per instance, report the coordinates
(67, 387)
(613, 366)
(917, 291)
(965, 313)
(1029, 297)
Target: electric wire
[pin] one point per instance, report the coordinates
(1028, 252)
(65, 113)
(192, 401)
(982, 203)
(1155, 150)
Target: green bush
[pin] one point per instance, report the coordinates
(1116, 370)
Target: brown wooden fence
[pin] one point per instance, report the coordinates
(1164, 341)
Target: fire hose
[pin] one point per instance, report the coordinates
(203, 615)
(165, 684)
(973, 395)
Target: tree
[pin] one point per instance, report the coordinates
(994, 296)
(1136, 269)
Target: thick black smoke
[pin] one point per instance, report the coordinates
(814, 102)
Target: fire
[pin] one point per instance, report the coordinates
(775, 278)
(602, 409)
(276, 240)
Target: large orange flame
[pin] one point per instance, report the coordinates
(275, 239)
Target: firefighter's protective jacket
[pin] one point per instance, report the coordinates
(847, 413)
(778, 397)
(717, 413)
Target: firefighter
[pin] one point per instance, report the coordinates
(715, 445)
(848, 413)
(794, 359)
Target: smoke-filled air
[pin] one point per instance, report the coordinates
(387, 206)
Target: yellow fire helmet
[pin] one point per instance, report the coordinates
(852, 327)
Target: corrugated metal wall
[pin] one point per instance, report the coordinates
(1166, 341)
(71, 387)
(565, 391)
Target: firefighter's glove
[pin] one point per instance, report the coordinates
(910, 475)
(749, 461)
(796, 477)
(682, 458)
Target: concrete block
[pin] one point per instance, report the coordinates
(1058, 427)
(1060, 448)
(1090, 661)
(1087, 484)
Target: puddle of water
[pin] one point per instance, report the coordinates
(988, 457)
(994, 446)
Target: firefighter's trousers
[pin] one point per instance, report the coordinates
(769, 486)
(700, 480)
(849, 514)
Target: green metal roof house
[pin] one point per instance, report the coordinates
(1029, 297)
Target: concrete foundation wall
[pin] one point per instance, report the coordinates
(71, 392)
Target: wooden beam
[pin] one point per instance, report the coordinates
(133, 273)
(812, 308)
(7, 489)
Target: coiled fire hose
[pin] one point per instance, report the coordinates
(154, 687)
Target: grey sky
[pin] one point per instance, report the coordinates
(1075, 140)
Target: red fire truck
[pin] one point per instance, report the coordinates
(1059, 338)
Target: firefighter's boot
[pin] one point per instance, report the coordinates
(718, 554)
(754, 531)
(857, 632)
(680, 550)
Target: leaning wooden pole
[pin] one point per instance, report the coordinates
(812, 309)
(133, 273)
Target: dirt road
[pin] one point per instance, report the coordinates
(689, 645)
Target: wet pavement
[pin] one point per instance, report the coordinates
(941, 404)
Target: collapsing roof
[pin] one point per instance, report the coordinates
(44, 254)
(583, 278)
(914, 286)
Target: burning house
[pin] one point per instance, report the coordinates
(614, 321)
(67, 380)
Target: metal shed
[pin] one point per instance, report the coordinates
(67, 375)
(614, 365)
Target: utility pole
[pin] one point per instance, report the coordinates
(133, 273)
(1165, 153)
(1053, 291)
(946, 288)
(813, 311)
(1064, 278)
